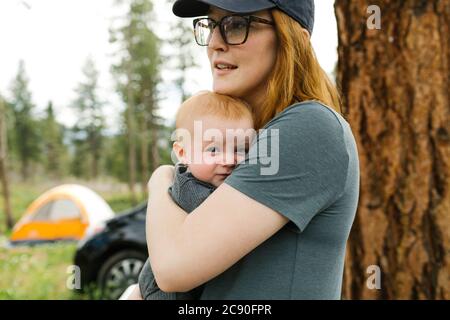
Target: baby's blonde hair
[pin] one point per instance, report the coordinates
(207, 103)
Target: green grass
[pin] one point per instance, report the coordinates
(40, 272)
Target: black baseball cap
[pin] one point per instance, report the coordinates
(300, 10)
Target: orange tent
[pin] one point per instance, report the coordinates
(66, 212)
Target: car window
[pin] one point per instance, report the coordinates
(64, 209)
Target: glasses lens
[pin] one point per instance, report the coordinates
(235, 29)
(203, 30)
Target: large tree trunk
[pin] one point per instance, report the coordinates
(395, 85)
(3, 167)
(131, 143)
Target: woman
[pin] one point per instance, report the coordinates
(264, 236)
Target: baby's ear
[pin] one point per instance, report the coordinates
(179, 151)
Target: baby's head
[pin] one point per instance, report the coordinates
(213, 133)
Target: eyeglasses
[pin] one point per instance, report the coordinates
(233, 28)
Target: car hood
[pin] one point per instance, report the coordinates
(126, 216)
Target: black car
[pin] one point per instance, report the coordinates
(111, 259)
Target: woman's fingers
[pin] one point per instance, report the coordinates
(162, 174)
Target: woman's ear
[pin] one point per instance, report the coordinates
(306, 33)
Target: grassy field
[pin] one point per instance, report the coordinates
(36, 272)
(40, 272)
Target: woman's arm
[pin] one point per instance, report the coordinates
(187, 250)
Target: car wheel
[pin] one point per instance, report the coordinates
(119, 272)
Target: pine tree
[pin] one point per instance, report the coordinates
(137, 76)
(88, 131)
(54, 149)
(27, 142)
(183, 60)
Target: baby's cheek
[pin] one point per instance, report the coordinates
(208, 159)
(203, 172)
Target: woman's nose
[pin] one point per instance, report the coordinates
(217, 42)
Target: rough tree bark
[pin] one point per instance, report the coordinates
(3, 167)
(395, 85)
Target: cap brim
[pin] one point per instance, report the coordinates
(195, 8)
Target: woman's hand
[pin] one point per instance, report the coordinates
(162, 177)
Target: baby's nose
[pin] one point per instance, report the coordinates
(228, 159)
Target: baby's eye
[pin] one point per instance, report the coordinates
(212, 149)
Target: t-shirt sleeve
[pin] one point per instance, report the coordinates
(298, 165)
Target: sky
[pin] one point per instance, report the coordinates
(55, 37)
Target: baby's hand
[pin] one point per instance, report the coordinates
(132, 293)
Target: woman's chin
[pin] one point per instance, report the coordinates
(225, 89)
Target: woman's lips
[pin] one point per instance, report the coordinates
(223, 67)
(222, 72)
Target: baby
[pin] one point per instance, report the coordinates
(203, 162)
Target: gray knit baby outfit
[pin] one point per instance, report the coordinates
(188, 192)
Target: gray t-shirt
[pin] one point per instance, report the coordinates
(316, 188)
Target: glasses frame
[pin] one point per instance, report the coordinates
(248, 18)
